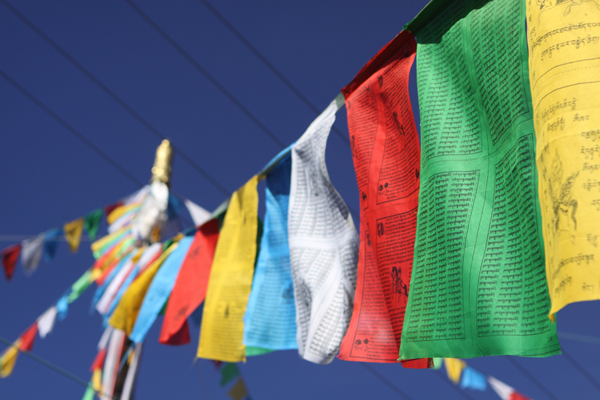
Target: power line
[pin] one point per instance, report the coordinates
(112, 95)
(531, 378)
(204, 72)
(386, 381)
(269, 65)
(53, 367)
(456, 388)
(580, 369)
(70, 128)
(579, 338)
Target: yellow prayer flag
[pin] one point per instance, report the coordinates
(128, 308)
(454, 368)
(8, 359)
(231, 279)
(73, 231)
(97, 379)
(564, 72)
(238, 391)
(119, 211)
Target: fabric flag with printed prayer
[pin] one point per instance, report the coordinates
(238, 391)
(31, 253)
(478, 286)
(73, 231)
(51, 239)
(62, 306)
(80, 286)
(23, 343)
(231, 279)
(190, 287)
(564, 73)
(124, 265)
(504, 391)
(199, 215)
(270, 320)
(159, 290)
(454, 368)
(10, 255)
(46, 321)
(323, 246)
(229, 372)
(92, 223)
(127, 310)
(386, 154)
(473, 379)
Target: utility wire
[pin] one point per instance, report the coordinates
(581, 370)
(70, 128)
(112, 95)
(204, 72)
(579, 338)
(269, 65)
(386, 381)
(53, 367)
(531, 378)
(456, 388)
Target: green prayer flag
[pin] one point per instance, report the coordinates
(478, 284)
(80, 286)
(256, 351)
(229, 372)
(89, 392)
(437, 363)
(91, 224)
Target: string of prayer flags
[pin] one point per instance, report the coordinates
(123, 267)
(454, 368)
(110, 368)
(504, 391)
(10, 255)
(386, 154)
(473, 379)
(221, 336)
(73, 231)
(270, 320)
(91, 223)
(46, 321)
(126, 311)
(478, 284)
(323, 246)
(159, 290)
(564, 75)
(238, 391)
(51, 239)
(229, 372)
(190, 287)
(32, 250)
(10, 355)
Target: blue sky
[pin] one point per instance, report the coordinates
(50, 177)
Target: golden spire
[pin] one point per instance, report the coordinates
(161, 171)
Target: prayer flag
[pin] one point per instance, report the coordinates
(31, 253)
(270, 320)
(231, 279)
(504, 391)
(473, 379)
(46, 321)
(386, 154)
(10, 255)
(10, 355)
(159, 290)
(199, 215)
(323, 246)
(62, 306)
(89, 392)
(92, 223)
(477, 287)
(127, 310)
(51, 240)
(454, 368)
(110, 208)
(238, 391)
(229, 372)
(564, 76)
(80, 286)
(191, 284)
(73, 231)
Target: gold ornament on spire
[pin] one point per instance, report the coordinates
(161, 171)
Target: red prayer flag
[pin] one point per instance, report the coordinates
(518, 396)
(190, 287)
(386, 154)
(99, 360)
(109, 208)
(28, 337)
(10, 255)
